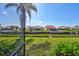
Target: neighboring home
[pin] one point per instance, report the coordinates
(76, 27)
(13, 27)
(62, 27)
(51, 28)
(36, 29)
(6, 30)
(9, 29)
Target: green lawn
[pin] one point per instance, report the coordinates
(31, 35)
(36, 49)
(39, 46)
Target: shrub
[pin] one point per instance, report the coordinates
(6, 48)
(66, 49)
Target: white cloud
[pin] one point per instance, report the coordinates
(4, 12)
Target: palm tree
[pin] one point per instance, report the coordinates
(23, 9)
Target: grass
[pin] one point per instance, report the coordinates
(40, 46)
(8, 38)
(36, 35)
(54, 40)
(42, 41)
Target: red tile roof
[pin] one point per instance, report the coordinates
(51, 27)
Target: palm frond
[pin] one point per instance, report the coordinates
(18, 9)
(33, 7)
(10, 5)
(29, 7)
(29, 13)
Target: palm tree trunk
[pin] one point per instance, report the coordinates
(22, 20)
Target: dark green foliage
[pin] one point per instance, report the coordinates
(66, 49)
(6, 48)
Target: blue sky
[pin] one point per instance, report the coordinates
(56, 14)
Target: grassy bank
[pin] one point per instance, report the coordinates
(38, 46)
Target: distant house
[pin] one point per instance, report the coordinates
(62, 27)
(6, 30)
(36, 28)
(76, 27)
(51, 28)
(13, 27)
